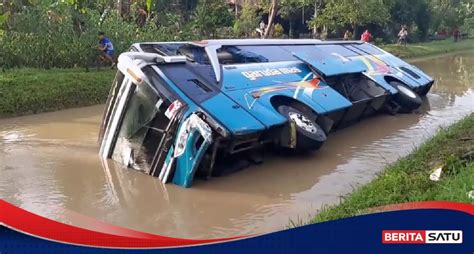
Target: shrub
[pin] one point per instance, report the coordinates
(58, 36)
(278, 30)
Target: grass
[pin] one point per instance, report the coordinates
(27, 91)
(429, 48)
(407, 180)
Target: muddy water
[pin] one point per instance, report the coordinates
(49, 165)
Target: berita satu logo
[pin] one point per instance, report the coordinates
(422, 236)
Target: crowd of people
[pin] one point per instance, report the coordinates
(366, 36)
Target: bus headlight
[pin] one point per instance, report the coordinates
(216, 126)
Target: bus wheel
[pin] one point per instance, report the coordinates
(408, 99)
(309, 135)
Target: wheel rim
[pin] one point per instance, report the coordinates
(406, 91)
(303, 122)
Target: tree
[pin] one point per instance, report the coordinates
(248, 19)
(417, 15)
(468, 25)
(3, 21)
(211, 15)
(271, 18)
(450, 13)
(423, 19)
(342, 13)
(291, 10)
(123, 8)
(183, 8)
(317, 6)
(402, 12)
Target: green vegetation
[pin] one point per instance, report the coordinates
(63, 34)
(384, 18)
(244, 25)
(49, 35)
(407, 180)
(430, 48)
(28, 91)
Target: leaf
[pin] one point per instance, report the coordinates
(4, 17)
(149, 5)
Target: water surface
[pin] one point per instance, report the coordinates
(50, 166)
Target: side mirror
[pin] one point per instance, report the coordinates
(129, 63)
(129, 67)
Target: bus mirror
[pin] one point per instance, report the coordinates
(130, 69)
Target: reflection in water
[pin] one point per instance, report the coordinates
(50, 166)
(454, 73)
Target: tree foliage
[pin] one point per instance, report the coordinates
(49, 29)
(63, 33)
(352, 13)
(451, 13)
(248, 20)
(211, 15)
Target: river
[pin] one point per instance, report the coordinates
(50, 166)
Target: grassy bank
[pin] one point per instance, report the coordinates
(429, 48)
(408, 180)
(28, 91)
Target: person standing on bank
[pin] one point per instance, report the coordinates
(366, 36)
(347, 35)
(456, 34)
(261, 29)
(402, 36)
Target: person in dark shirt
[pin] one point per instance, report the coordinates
(106, 49)
(456, 34)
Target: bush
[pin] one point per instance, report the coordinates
(44, 37)
(278, 30)
(248, 20)
(58, 36)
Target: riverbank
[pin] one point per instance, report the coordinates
(26, 91)
(30, 91)
(408, 179)
(429, 48)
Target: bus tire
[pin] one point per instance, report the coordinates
(406, 98)
(309, 135)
